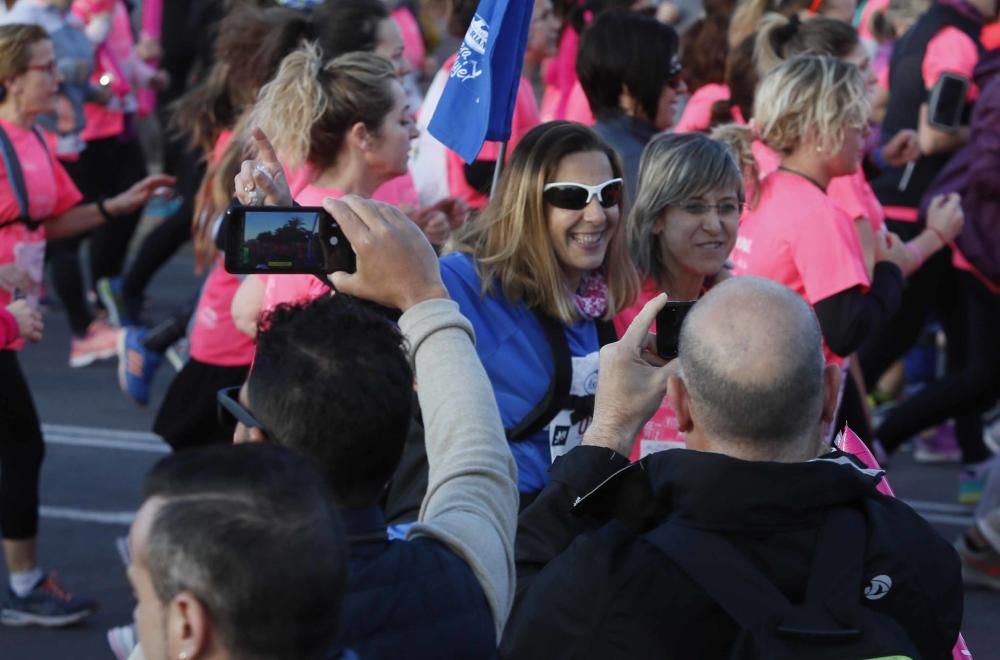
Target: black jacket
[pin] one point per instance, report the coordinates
(593, 588)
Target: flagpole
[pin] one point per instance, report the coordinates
(501, 159)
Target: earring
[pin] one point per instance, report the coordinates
(183, 656)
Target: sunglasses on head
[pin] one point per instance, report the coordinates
(231, 410)
(576, 196)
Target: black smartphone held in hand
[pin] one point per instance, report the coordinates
(286, 240)
(947, 102)
(668, 327)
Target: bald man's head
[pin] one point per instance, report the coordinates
(752, 362)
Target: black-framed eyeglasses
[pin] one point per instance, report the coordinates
(576, 196)
(231, 410)
(700, 209)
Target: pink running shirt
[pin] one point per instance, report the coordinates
(799, 237)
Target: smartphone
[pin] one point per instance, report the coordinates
(947, 102)
(285, 240)
(668, 327)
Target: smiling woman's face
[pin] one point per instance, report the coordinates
(699, 242)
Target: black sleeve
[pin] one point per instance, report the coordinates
(479, 175)
(848, 318)
(547, 526)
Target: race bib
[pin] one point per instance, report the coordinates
(564, 434)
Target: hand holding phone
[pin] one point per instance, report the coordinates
(396, 266)
(668, 327)
(285, 240)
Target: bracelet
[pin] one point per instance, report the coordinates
(944, 241)
(915, 252)
(103, 210)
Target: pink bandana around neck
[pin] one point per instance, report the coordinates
(592, 296)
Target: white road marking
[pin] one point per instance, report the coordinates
(91, 431)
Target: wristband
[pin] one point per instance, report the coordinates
(103, 210)
(915, 252)
(937, 231)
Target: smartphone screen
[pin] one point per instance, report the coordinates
(947, 102)
(285, 240)
(668, 327)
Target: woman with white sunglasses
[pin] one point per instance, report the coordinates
(540, 274)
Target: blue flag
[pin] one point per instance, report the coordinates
(478, 101)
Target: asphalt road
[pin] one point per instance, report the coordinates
(99, 447)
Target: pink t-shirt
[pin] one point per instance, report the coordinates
(50, 194)
(661, 431)
(559, 73)
(413, 41)
(400, 192)
(525, 118)
(951, 51)
(697, 115)
(104, 121)
(280, 289)
(799, 237)
(214, 338)
(851, 192)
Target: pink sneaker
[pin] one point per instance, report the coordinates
(937, 447)
(100, 343)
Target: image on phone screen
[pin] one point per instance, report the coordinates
(277, 241)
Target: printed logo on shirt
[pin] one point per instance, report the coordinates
(467, 63)
(878, 587)
(560, 435)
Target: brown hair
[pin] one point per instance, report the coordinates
(779, 38)
(239, 71)
(704, 46)
(749, 13)
(310, 105)
(16, 40)
(510, 241)
(741, 78)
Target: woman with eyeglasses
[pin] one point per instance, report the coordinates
(680, 232)
(540, 274)
(38, 201)
(629, 71)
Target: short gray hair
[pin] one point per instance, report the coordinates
(674, 168)
(754, 365)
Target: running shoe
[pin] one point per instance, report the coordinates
(137, 365)
(122, 641)
(100, 343)
(980, 568)
(109, 291)
(48, 604)
(940, 446)
(972, 481)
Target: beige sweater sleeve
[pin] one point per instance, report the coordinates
(472, 501)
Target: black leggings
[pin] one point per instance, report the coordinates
(920, 296)
(163, 242)
(106, 167)
(971, 320)
(21, 453)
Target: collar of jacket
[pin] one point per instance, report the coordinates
(718, 492)
(639, 129)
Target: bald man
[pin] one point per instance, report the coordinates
(678, 556)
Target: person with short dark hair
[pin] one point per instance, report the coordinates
(752, 392)
(237, 552)
(628, 67)
(334, 381)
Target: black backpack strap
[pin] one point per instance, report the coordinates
(827, 615)
(12, 165)
(557, 396)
